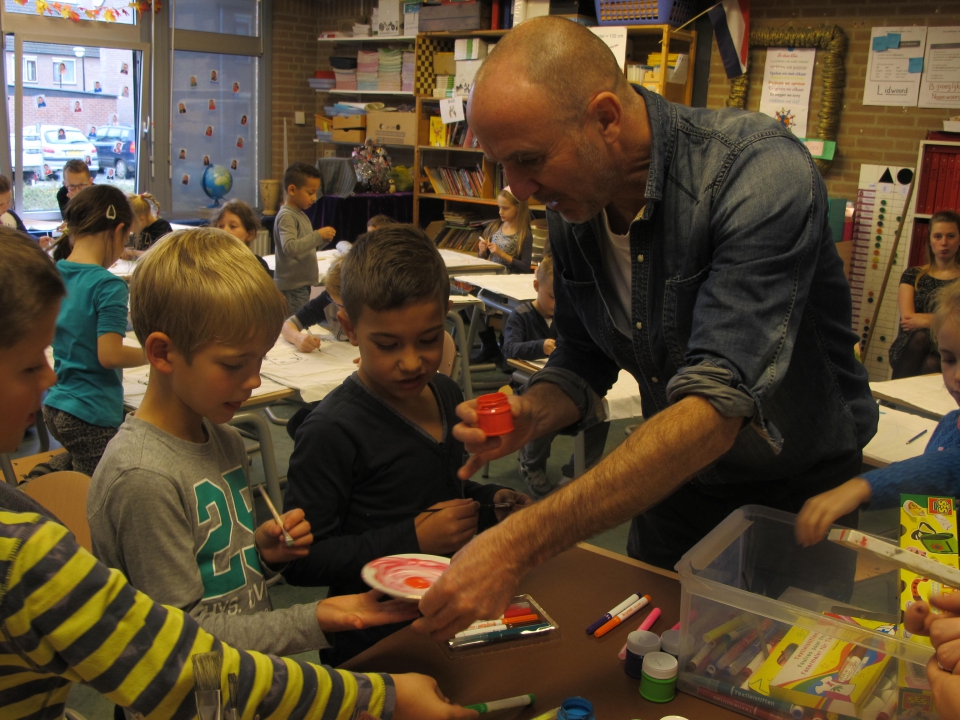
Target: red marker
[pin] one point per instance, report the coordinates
(621, 616)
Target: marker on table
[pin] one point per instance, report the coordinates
(514, 702)
(917, 436)
(621, 616)
(499, 633)
(609, 616)
(645, 625)
(287, 538)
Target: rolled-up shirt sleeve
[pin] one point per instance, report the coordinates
(748, 311)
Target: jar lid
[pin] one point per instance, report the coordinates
(575, 708)
(660, 666)
(641, 642)
(670, 642)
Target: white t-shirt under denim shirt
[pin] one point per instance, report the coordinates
(615, 253)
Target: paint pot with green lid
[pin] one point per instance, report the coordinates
(658, 683)
(576, 708)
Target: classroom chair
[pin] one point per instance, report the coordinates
(250, 424)
(65, 495)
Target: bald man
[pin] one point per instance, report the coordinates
(692, 249)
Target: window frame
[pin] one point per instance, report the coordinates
(68, 63)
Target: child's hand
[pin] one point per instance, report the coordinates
(449, 529)
(356, 612)
(820, 512)
(308, 343)
(419, 698)
(327, 233)
(518, 499)
(483, 246)
(270, 542)
(549, 345)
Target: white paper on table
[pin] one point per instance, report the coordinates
(517, 287)
(787, 77)
(926, 392)
(940, 82)
(454, 259)
(314, 374)
(896, 427)
(890, 79)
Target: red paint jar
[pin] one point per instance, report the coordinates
(496, 418)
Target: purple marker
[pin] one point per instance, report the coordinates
(616, 611)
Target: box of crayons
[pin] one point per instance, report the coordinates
(524, 622)
(777, 631)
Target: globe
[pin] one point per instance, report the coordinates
(216, 182)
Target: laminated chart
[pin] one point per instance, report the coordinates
(881, 199)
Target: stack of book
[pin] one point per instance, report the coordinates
(390, 63)
(466, 182)
(444, 86)
(360, 30)
(408, 71)
(463, 218)
(939, 187)
(368, 69)
(345, 71)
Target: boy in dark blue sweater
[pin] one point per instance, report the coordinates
(379, 452)
(529, 334)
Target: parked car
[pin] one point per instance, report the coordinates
(32, 164)
(117, 148)
(61, 143)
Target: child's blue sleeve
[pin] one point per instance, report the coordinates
(933, 473)
(111, 307)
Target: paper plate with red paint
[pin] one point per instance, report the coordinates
(407, 577)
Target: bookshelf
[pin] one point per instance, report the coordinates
(937, 182)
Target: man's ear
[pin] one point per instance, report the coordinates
(159, 348)
(348, 327)
(607, 111)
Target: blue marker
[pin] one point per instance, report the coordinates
(500, 634)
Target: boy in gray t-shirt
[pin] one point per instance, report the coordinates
(169, 504)
(294, 238)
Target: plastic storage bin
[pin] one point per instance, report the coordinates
(750, 575)
(643, 12)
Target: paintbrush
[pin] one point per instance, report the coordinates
(233, 683)
(287, 538)
(206, 677)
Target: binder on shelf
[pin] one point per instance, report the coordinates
(934, 179)
(923, 189)
(941, 182)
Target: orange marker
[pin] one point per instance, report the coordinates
(520, 619)
(620, 617)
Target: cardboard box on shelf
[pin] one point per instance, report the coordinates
(455, 17)
(357, 136)
(392, 128)
(349, 122)
(444, 63)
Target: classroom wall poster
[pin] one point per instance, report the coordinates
(894, 66)
(787, 77)
(616, 39)
(940, 83)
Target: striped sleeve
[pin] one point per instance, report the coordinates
(67, 618)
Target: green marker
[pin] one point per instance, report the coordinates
(514, 702)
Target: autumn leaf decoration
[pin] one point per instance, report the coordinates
(109, 15)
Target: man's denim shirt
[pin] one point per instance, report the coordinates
(738, 294)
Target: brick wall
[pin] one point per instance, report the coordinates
(868, 134)
(296, 55)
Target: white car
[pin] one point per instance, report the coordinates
(61, 143)
(32, 164)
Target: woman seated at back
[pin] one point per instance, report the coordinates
(913, 352)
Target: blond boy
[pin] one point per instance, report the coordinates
(170, 504)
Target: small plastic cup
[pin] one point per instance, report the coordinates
(576, 708)
(639, 643)
(496, 417)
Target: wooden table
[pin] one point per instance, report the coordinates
(574, 588)
(924, 394)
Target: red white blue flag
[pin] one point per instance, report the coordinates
(731, 23)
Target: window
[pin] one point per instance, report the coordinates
(229, 17)
(30, 69)
(120, 10)
(64, 71)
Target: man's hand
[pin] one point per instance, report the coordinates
(519, 500)
(327, 233)
(484, 449)
(449, 528)
(356, 612)
(943, 628)
(820, 512)
(270, 541)
(480, 582)
(549, 345)
(307, 343)
(419, 698)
